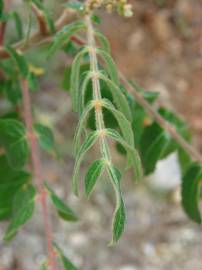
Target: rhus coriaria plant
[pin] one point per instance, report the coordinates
(114, 114)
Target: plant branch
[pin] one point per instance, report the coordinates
(36, 164)
(38, 38)
(100, 126)
(161, 121)
(41, 20)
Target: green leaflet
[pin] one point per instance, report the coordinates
(76, 5)
(87, 144)
(191, 188)
(10, 182)
(67, 264)
(118, 97)
(81, 125)
(154, 143)
(64, 211)
(133, 155)
(20, 61)
(119, 216)
(124, 124)
(94, 173)
(23, 208)
(46, 14)
(84, 88)
(13, 139)
(64, 35)
(45, 137)
(1, 8)
(18, 24)
(110, 65)
(75, 78)
(103, 41)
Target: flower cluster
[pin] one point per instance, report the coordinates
(121, 6)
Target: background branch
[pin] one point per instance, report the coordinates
(36, 165)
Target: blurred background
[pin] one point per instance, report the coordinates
(161, 49)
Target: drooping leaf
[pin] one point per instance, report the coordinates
(94, 173)
(13, 139)
(110, 65)
(124, 124)
(64, 211)
(87, 144)
(20, 61)
(64, 35)
(118, 97)
(134, 158)
(191, 188)
(10, 182)
(45, 137)
(103, 41)
(75, 78)
(81, 126)
(119, 216)
(18, 24)
(67, 264)
(23, 208)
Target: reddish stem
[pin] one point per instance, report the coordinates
(36, 163)
(3, 24)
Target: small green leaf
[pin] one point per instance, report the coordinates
(81, 126)
(87, 144)
(75, 78)
(46, 138)
(153, 144)
(13, 139)
(119, 216)
(96, 19)
(75, 5)
(110, 65)
(191, 187)
(118, 97)
(68, 265)
(64, 211)
(124, 124)
(64, 35)
(23, 208)
(103, 41)
(94, 173)
(134, 158)
(20, 61)
(18, 24)
(10, 182)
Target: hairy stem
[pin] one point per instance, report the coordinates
(100, 126)
(37, 170)
(38, 39)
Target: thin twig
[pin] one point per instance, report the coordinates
(36, 164)
(161, 121)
